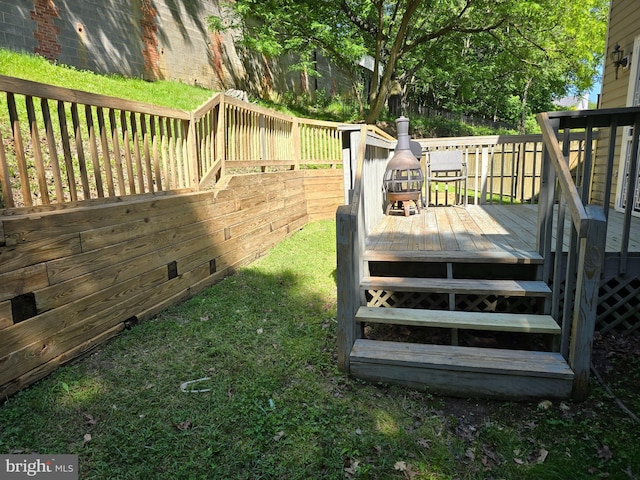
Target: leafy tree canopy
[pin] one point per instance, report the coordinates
(502, 58)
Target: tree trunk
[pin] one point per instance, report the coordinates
(523, 106)
(379, 98)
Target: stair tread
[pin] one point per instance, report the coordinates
(454, 256)
(504, 322)
(475, 286)
(462, 359)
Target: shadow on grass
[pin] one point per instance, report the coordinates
(277, 408)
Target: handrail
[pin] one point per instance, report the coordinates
(354, 220)
(51, 92)
(578, 213)
(575, 277)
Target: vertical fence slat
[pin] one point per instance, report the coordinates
(126, 145)
(82, 165)
(164, 155)
(172, 154)
(25, 188)
(106, 158)
(146, 149)
(54, 161)
(135, 137)
(66, 150)
(117, 157)
(5, 181)
(155, 151)
(610, 160)
(37, 151)
(93, 148)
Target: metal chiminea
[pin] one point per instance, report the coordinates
(403, 178)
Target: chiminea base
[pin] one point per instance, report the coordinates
(406, 198)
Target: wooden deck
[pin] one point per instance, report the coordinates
(488, 228)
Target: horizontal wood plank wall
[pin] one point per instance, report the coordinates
(324, 191)
(71, 278)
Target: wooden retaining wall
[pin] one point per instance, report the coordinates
(73, 276)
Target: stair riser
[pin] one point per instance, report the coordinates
(464, 384)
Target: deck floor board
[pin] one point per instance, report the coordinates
(506, 228)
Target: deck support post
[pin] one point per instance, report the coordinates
(590, 259)
(348, 283)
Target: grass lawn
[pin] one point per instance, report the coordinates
(277, 408)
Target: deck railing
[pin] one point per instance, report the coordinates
(570, 199)
(366, 154)
(64, 145)
(505, 169)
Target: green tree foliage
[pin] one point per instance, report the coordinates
(502, 58)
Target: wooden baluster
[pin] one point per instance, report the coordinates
(155, 151)
(117, 158)
(84, 177)
(5, 181)
(146, 150)
(66, 149)
(106, 159)
(126, 143)
(37, 151)
(140, 174)
(53, 152)
(93, 146)
(25, 186)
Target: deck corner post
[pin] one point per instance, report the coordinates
(192, 153)
(347, 284)
(590, 260)
(221, 134)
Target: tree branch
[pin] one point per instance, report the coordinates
(357, 21)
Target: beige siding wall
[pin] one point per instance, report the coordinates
(624, 26)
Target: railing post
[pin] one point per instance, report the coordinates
(483, 175)
(221, 132)
(192, 153)
(297, 144)
(347, 283)
(591, 254)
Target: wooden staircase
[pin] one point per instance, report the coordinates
(477, 295)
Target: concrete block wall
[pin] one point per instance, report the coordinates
(152, 39)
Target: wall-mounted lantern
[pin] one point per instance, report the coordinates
(618, 58)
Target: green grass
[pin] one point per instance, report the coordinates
(162, 93)
(277, 406)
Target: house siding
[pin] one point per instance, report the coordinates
(624, 27)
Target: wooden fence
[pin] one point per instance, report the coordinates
(115, 210)
(64, 146)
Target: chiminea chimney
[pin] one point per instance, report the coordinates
(403, 178)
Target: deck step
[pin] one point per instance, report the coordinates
(455, 256)
(463, 371)
(511, 288)
(502, 322)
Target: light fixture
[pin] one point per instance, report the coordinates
(618, 59)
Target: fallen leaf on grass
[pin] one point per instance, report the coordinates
(350, 467)
(278, 436)
(545, 405)
(406, 469)
(538, 457)
(260, 331)
(605, 453)
(424, 443)
(183, 426)
(88, 418)
(400, 466)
